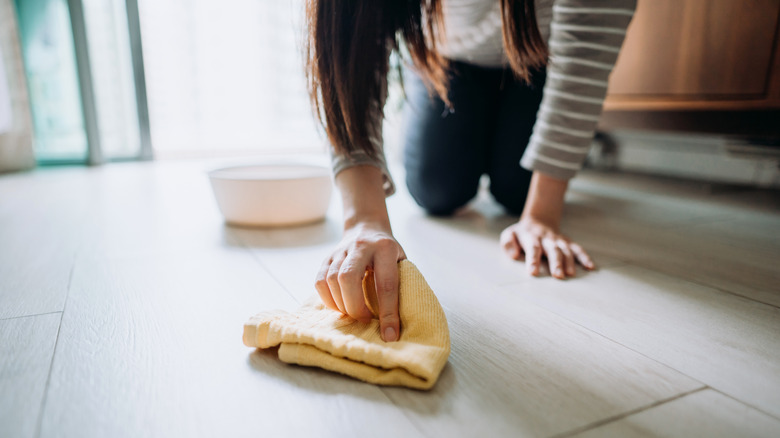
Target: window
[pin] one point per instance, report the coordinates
(52, 80)
(226, 77)
(80, 78)
(219, 78)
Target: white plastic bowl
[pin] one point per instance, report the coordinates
(272, 195)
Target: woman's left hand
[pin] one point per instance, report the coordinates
(530, 239)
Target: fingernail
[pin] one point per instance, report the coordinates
(389, 334)
(559, 272)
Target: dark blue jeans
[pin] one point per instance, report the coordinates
(487, 131)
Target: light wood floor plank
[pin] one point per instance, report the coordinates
(727, 199)
(515, 369)
(152, 347)
(758, 231)
(141, 209)
(293, 255)
(26, 348)
(728, 342)
(518, 370)
(702, 414)
(614, 204)
(691, 255)
(727, 243)
(150, 339)
(41, 226)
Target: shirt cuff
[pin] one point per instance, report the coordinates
(341, 162)
(536, 164)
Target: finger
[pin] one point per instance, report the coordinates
(386, 280)
(351, 283)
(510, 244)
(533, 254)
(321, 284)
(333, 282)
(569, 266)
(582, 256)
(554, 257)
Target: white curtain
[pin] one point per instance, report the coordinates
(16, 139)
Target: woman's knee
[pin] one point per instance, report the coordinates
(511, 191)
(440, 196)
(512, 202)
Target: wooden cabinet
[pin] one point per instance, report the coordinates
(699, 55)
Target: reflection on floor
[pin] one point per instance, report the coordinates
(122, 299)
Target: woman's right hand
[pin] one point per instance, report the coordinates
(365, 246)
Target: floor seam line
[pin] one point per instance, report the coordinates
(725, 394)
(39, 424)
(265, 268)
(271, 274)
(628, 413)
(31, 316)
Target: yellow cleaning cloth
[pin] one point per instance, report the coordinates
(321, 337)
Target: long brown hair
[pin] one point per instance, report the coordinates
(347, 53)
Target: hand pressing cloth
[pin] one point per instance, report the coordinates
(318, 336)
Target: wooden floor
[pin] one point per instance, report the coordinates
(123, 295)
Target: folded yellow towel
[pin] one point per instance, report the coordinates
(321, 337)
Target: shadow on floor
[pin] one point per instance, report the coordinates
(284, 237)
(326, 382)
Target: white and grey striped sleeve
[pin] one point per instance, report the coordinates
(585, 38)
(341, 162)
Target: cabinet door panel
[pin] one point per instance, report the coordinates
(697, 48)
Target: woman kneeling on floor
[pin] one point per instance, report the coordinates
(508, 88)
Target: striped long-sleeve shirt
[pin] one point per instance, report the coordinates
(583, 37)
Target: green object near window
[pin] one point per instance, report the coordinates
(52, 77)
